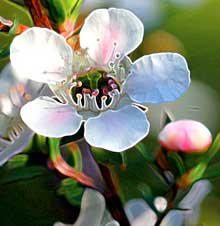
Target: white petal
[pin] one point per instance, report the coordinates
(16, 146)
(41, 55)
(157, 78)
(193, 200)
(109, 32)
(6, 106)
(8, 78)
(92, 209)
(49, 118)
(113, 223)
(140, 213)
(14, 92)
(196, 194)
(173, 218)
(117, 130)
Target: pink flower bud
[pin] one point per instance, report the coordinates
(185, 136)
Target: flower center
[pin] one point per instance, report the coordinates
(96, 91)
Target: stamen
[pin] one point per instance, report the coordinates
(117, 55)
(105, 91)
(114, 86)
(95, 92)
(111, 64)
(79, 100)
(86, 91)
(110, 82)
(103, 102)
(79, 84)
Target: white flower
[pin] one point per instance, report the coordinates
(140, 213)
(14, 93)
(100, 85)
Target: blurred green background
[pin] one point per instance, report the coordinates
(190, 29)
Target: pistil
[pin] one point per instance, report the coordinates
(94, 78)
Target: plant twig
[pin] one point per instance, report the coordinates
(38, 13)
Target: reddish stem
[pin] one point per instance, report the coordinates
(38, 13)
(68, 171)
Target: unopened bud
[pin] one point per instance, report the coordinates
(186, 136)
(160, 204)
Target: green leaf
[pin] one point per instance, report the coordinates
(138, 172)
(56, 10)
(145, 190)
(71, 190)
(17, 161)
(19, 2)
(212, 171)
(70, 4)
(176, 163)
(32, 200)
(213, 150)
(5, 51)
(192, 175)
(146, 153)
(60, 10)
(106, 157)
(75, 10)
(23, 173)
(197, 172)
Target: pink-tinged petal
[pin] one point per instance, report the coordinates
(157, 78)
(42, 55)
(111, 33)
(13, 85)
(117, 130)
(186, 136)
(47, 117)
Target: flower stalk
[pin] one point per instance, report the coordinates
(38, 13)
(64, 168)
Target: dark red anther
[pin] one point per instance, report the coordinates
(105, 91)
(95, 92)
(86, 91)
(79, 84)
